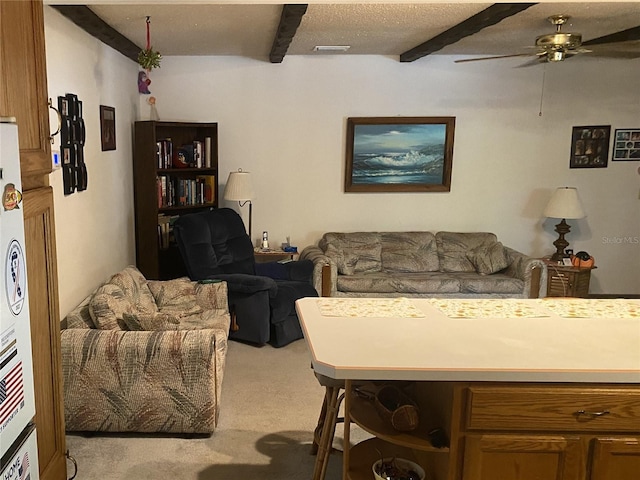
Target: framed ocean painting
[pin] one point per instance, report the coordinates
(399, 154)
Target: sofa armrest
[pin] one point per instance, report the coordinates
(212, 296)
(325, 271)
(143, 381)
(532, 271)
(247, 284)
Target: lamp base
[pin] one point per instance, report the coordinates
(561, 244)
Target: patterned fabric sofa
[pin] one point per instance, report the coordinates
(145, 356)
(422, 264)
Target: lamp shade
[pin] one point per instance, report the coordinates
(239, 187)
(564, 203)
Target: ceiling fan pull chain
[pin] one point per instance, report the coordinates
(544, 72)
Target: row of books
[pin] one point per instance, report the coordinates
(179, 192)
(165, 230)
(192, 155)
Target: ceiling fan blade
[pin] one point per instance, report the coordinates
(628, 35)
(495, 57)
(618, 50)
(532, 62)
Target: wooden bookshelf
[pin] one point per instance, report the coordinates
(175, 167)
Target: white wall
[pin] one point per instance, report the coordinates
(94, 228)
(286, 124)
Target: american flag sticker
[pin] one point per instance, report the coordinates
(23, 470)
(11, 392)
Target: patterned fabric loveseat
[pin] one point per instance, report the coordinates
(423, 264)
(145, 356)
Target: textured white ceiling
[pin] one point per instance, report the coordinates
(391, 28)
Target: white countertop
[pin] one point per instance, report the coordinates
(437, 347)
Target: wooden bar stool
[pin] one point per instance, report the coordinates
(325, 430)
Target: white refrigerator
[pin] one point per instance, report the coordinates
(18, 446)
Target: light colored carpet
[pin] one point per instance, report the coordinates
(270, 406)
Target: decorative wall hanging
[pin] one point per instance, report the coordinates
(147, 59)
(590, 147)
(72, 137)
(627, 144)
(108, 127)
(399, 154)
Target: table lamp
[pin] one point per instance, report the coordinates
(239, 188)
(564, 203)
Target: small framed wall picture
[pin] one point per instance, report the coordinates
(626, 145)
(590, 147)
(108, 127)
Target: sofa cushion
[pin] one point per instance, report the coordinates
(135, 287)
(151, 321)
(411, 252)
(487, 260)
(354, 253)
(177, 296)
(400, 283)
(453, 248)
(209, 319)
(108, 306)
(498, 284)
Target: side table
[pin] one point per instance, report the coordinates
(565, 281)
(273, 255)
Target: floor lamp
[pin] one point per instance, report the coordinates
(564, 203)
(240, 189)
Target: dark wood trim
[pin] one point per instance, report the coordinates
(536, 277)
(289, 22)
(326, 281)
(630, 34)
(84, 17)
(489, 16)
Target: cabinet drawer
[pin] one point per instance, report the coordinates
(553, 409)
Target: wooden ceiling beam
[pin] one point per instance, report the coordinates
(289, 22)
(489, 16)
(628, 35)
(84, 17)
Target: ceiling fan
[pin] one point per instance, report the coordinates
(557, 46)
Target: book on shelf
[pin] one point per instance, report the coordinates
(207, 152)
(164, 153)
(198, 154)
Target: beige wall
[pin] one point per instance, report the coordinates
(285, 123)
(94, 228)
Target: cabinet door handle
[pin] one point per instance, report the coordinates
(593, 414)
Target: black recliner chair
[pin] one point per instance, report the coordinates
(215, 245)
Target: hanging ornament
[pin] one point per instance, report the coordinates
(149, 58)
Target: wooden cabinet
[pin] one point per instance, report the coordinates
(166, 187)
(39, 232)
(615, 458)
(566, 281)
(24, 86)
(531, 432)
(523, 457)
(508, 431)
(24, 95)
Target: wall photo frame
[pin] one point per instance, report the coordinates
(399, 154)
(590, 147)
(108, 127)
(626, 146)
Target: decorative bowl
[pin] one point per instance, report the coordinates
(403, 466)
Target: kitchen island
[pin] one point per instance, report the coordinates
(522, 389)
